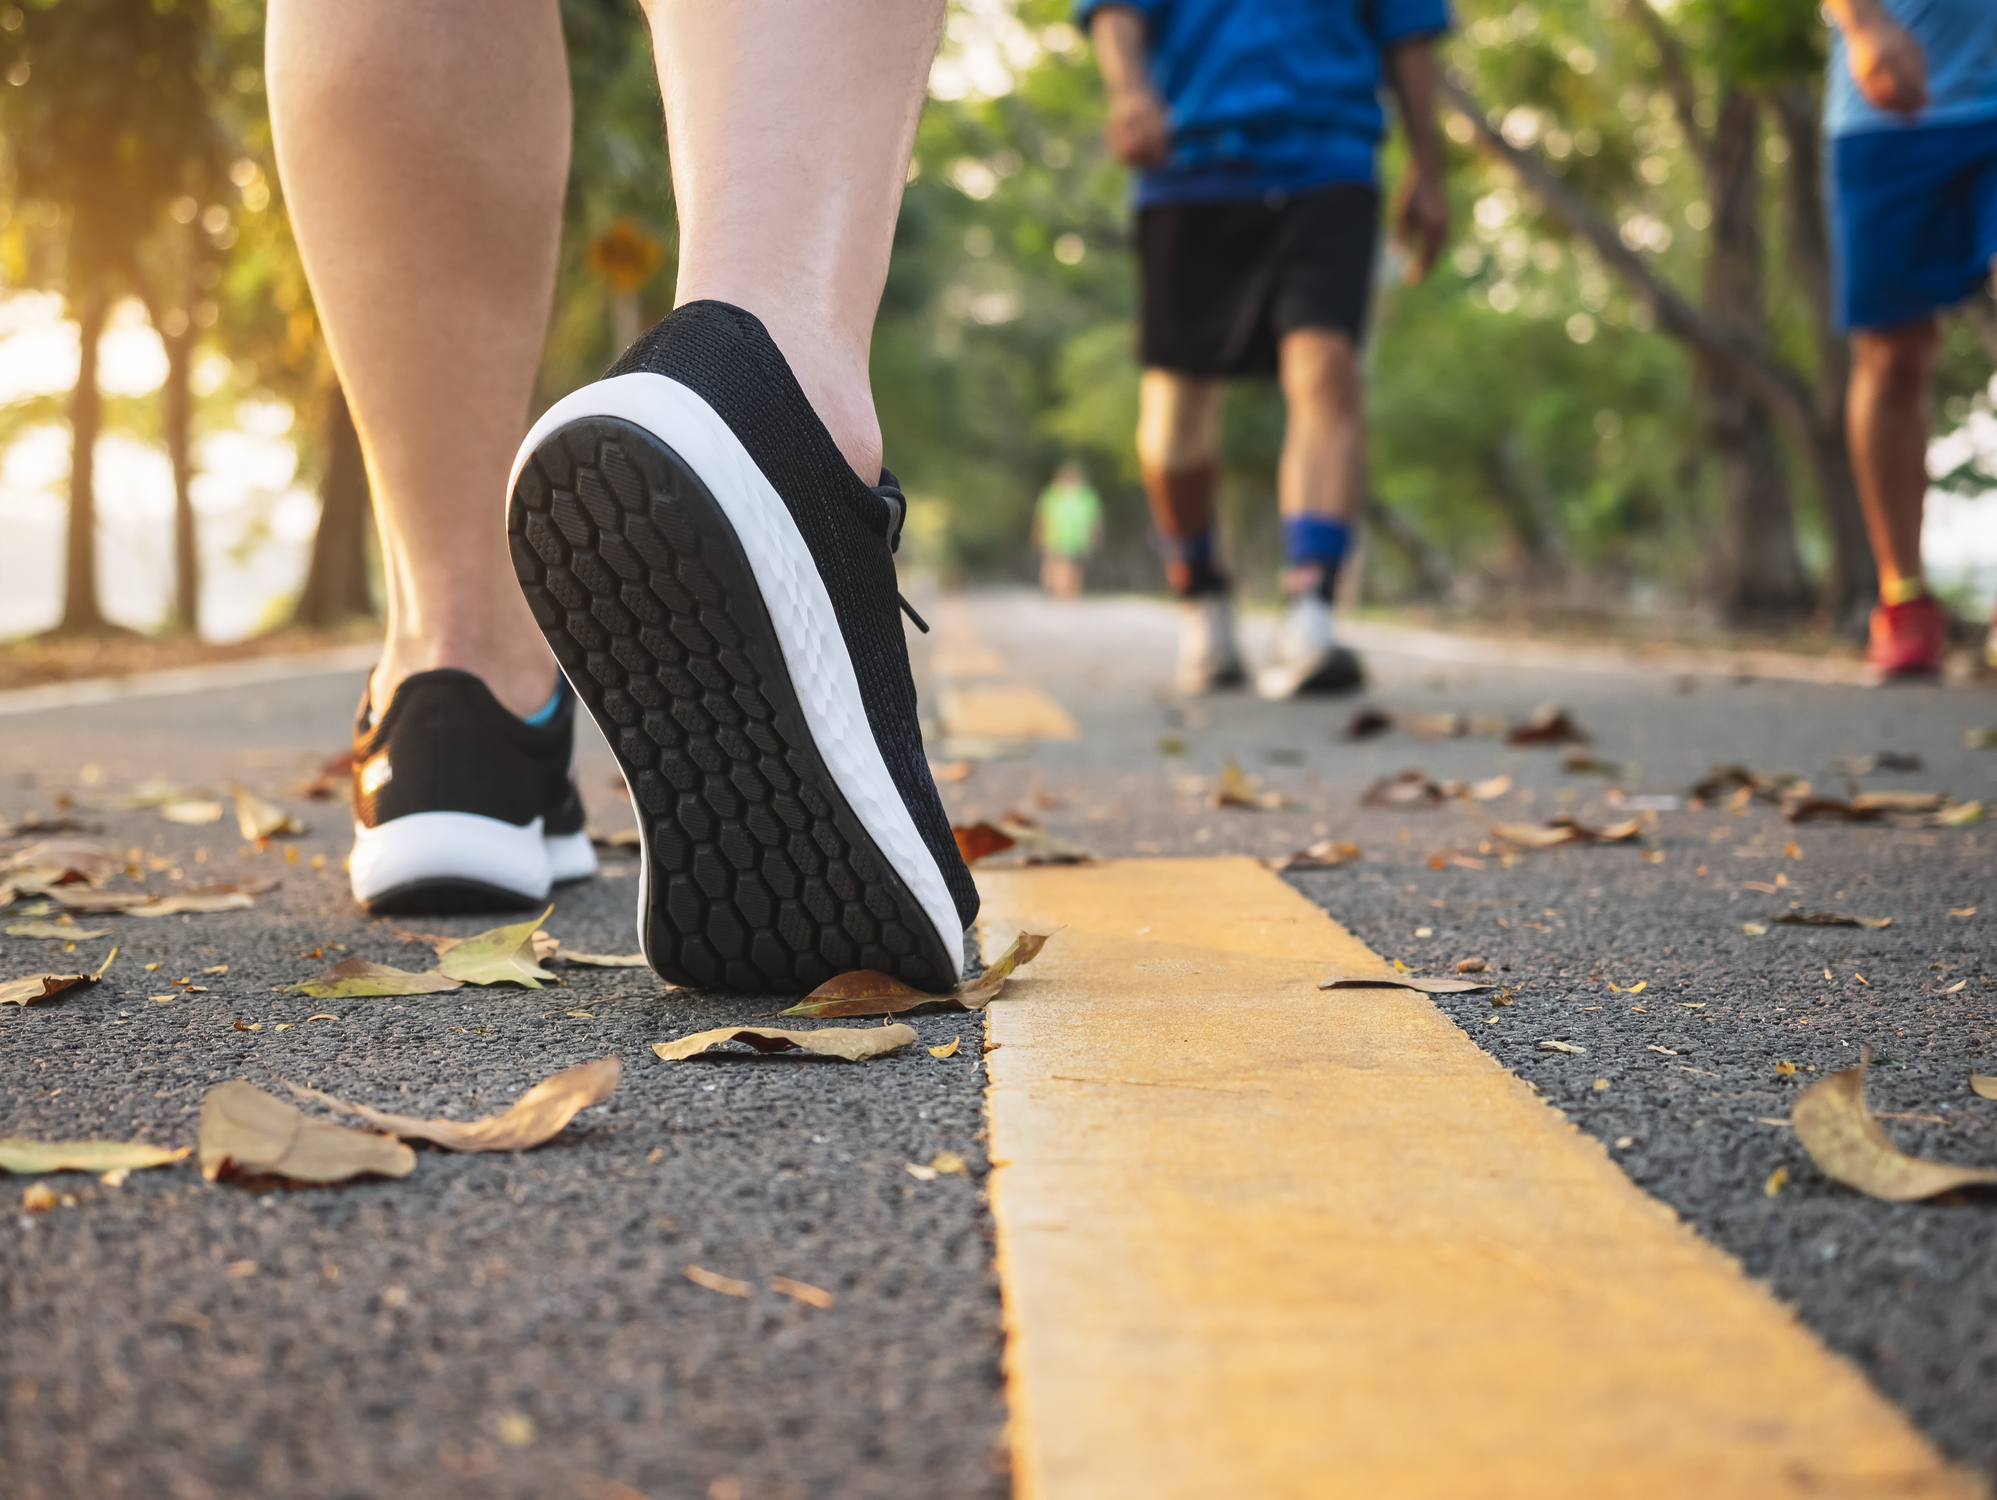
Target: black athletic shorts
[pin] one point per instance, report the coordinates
(1222, 282)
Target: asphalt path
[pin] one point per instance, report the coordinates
(522, 1323)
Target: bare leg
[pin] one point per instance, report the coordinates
(1178, 450)
(1887, 424)
(791, 123)
(424, 151)
(1322, 470)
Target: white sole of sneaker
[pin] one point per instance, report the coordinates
(800, 610)
(571, 856)
(422, 853)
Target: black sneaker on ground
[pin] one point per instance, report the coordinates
(460, 806)
(719, 588)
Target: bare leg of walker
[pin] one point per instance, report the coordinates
(1178, 449)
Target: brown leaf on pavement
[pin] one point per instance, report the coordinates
(1580, 762)
(1549, 724)
(356, 976)
(1900, 802)
(1983, 1085)
(1237, 788)
(803, 1291)
(714, 1281)
(57, 929)
(24, 1156)
(56, 862)
(334, 778)
(1409, 788)
(1726, 778)
(194, 812)
(1847, 1143)
(1567, 1047)
(33, 987)
(1322, 855)
(1038, 846)
(853, 1043)
(1366, 724)
(1490, 788)
(866, 992)
(1827, 919)
(1538, 836)
(600, 960)
(222, 896)
(1441, 726)
(259, 820)
(501, 955)
(1472, 965)
(246, 1132)
(535, 1116)
(976, 840)
(1404, 982)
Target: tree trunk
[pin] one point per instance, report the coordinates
(1848, 589)
(177, 417)
(336, 581)
(1762, 577)
(81, 614)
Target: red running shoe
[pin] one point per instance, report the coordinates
(1908, 639)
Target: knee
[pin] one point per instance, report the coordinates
(1177, 422)
(1320, 371)
(1898, 360)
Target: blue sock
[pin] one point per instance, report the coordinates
(544, 715)
(1316, 542)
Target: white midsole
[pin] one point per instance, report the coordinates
(821, 670)
(571, 856)
(420, 847)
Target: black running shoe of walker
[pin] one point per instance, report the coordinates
(461, 806)
(719, 587)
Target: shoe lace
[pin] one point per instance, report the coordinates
(889, 489)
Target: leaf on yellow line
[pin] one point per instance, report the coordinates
(18, 1155)
(1405, 982)
(949, 1049)
(258, 819)
(246, 1132)
(356, 976)
(503, 955)
(32, 987)
(1849, 1145)
(536, 1115)
(854, 1043)
(981, 991)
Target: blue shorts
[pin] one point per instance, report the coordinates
(1913, 220)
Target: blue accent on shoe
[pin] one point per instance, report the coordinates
(1315, 542)
(545, 714)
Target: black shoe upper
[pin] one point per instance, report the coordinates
(726, 357)
(445, 744)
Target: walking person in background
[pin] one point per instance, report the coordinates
(1067, 526)
(1911, 113)
(1254, 125)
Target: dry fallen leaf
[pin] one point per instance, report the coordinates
(246, 1132)
(223, 896)
(1490, 788)
(947, 1050)
(976, 840)
(1983, 1085)
(1434, 726)
(69, 930)
(1367, 723)
(944, 1163)
(1847, 1143)
(196, 812)
(714, 1281)
(1777, 1180)
(1549, 725)
(1409, 788)
(1980, 739)
(259, 820)
(1552, 1046)
(502, 955)
(1754, 929)
(985, 988)
(601, 960)
(1904, 802)
(335, 777)
(356, 976)
(854, 1043)
(1827, 919)
(39, 1198)
(33, 987)
(1237, 788)
(1038, 846)
(83, 1156)
(1405, 982)
(1961, 815)
(1472, 965)
(1581, 762)
(1536, 836)
(1322, 855)
(536, 1115)
(62, 862)
(866, 992)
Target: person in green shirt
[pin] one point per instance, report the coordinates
(1066, 527)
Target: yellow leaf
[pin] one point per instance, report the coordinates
(39, 1198)
(192, 812)
(57, 930)
(944, 1163)
(536, 1115)
(1777, 1180)
(259, 820)
(353, 977)
(246, 1132)
(502, 955)
(1983, 1084)
(33, 987)
(1845, 1140)
(1785, 1067)
(854, 1043)
(83, 1156)
(803, 1291)
(946, 1051)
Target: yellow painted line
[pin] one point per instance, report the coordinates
(1003, 711)
(1262, 1240)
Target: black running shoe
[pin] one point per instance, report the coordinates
(720, 589)
(460, 806)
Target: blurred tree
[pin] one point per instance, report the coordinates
(104, 115)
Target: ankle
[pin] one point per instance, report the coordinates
(1900, 588)
(520, 679)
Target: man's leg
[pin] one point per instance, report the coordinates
(1178, 450)
(1887, 421)
(791, 123)
(424, 150)
(1320, 482)
(1321, 476)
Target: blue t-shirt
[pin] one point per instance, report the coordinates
(1959, 40)
(1270, 95)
